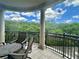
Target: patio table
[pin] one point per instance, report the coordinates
(9, 48)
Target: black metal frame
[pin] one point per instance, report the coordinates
(69, 47)
(65, 44)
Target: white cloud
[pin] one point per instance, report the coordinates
(38, 15)
(33, 20)
(14, 14)
(16, 18)
(61, 11)
(71, 2)
(54, 14)
(11, 15)
(6, 17)
(8, 11)
(18, 13)
(76, 2)
(28, 14)
(49, 13)
(68, 21)
(76, 16)
(67, 2)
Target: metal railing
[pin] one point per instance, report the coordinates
(65, 44)
(13, 35)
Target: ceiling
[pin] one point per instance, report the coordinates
(26, 5)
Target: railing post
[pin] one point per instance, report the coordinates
(63, 43)
(46, 37)
(74, 49)
(78, 49)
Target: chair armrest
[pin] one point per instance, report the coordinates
(5, 57)
(24, 41)
(13, 41)
(17, 54)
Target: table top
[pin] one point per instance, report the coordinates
(9, 48)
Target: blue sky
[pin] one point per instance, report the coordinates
(64, 12)
(71, 13)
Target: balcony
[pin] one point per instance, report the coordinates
(58, 46)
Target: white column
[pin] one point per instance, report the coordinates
(2, 27)
(42, 30)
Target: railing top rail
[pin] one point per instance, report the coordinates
(50, 34)
(21, 31)
(65, 35)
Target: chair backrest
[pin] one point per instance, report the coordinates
(30, 43)
(29, 47)
(21, 37)
(24, 53)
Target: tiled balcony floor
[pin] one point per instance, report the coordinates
(44, 54)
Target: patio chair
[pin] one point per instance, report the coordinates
(21, 38)
(23, 54)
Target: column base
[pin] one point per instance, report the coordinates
(41, 47)
(2, 43)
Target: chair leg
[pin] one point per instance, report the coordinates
(10, 57)
(28, 58)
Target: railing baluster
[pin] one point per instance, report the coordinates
(78, 50)
(68, 48)
(74, 50)
(63, 45)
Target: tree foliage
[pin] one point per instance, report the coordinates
(21, 26)
(51, 27)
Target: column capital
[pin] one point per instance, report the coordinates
(42, 10)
